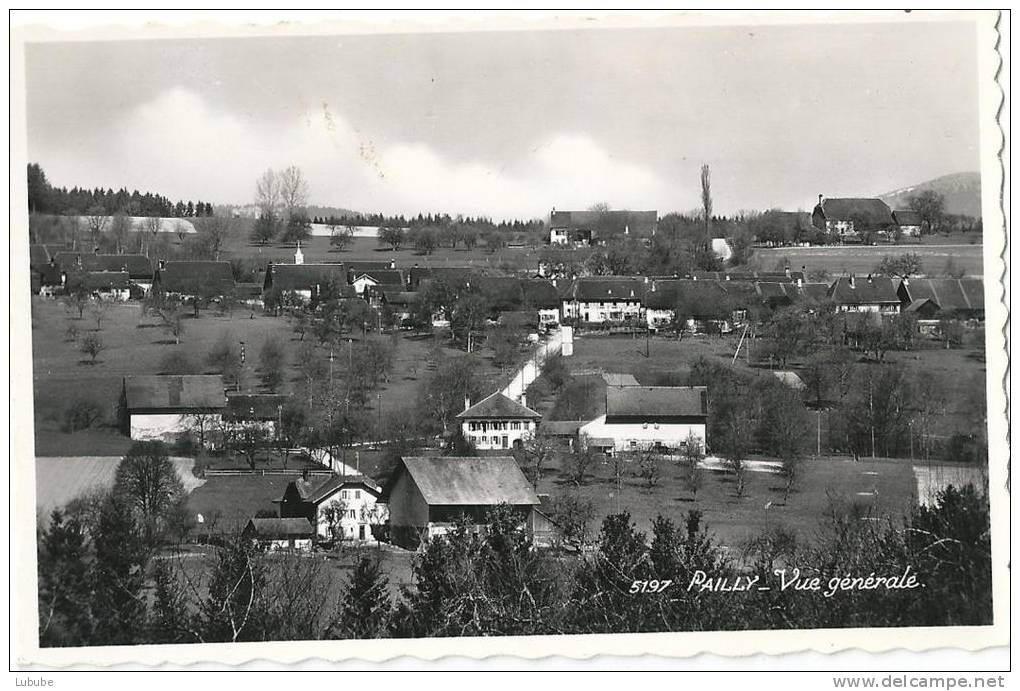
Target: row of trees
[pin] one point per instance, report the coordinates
(93, 574)
(43, 198)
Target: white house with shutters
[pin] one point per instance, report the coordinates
(497, 422)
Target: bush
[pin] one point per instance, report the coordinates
(966, 448)
(177, 362)
(81, 413)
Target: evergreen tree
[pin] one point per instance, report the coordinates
(65, 617)
(118, 577)
(236, 607)
(364, 609)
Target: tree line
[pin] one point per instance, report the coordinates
(43, 198)
(102, 581)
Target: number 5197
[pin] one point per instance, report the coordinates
(653, 586)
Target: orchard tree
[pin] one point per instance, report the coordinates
(392, 236)
(148, 482)
(92, 345)
(930, 206)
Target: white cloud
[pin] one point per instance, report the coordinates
(179, 146)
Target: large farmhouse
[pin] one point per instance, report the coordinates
(586, 227)
(638, 417)
(166, 406)
(871, 294)
(341, 507)
(427, 495)
(308, 282)
(594, 300)
(849, 218)
(497, 422)
(960, 298)
(189, 279)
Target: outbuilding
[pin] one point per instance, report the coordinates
(167, 406)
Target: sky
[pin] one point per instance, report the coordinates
(512, 124)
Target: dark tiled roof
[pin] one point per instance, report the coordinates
(772, 276)
(280, 528)
(449, 274)
(174, 392)
(950, 294)
(877, 290)
(906, 217)
(470, 481)
(260, 406)
(98, 280)
(606, 289)
(318, 492)
(705, 299)
(498, 406)
(188, 277)
(656, 401)
(561, 428)
(638, 222)
(874, 211)
(49, 274)
(360, 267)
(540, 293)
(305, 276)
(400, 297)
(384, 277)
(137, 265)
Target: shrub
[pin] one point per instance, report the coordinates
(966, 448)
(81, 413)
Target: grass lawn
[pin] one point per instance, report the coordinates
(863, 259)
(136, 345)
(887, 488)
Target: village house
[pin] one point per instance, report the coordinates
(599, 299)
(400, 304)
(542, 295)
(383, 279)
(47, 279)
(341, 507)
(707, 306)
(660, 417)
(452, 275)
(587, 227)
(168, 406)
(849, 218)
(262, 409)
(280, 533)
(871, 294)
(190, 279)
(429, 494)
(936, 298)
(113, 286)
(497, 422)
(908, 221)
(308, 283)
(137, 266)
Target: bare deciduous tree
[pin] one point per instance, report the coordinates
(267, 194)
(96, 221)
(92, 345)
(293, 191)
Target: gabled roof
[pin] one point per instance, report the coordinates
(100, 280)
(449, 274)
(561, 428)
(305, 276)
(873, 290)
(656, 401)
(188, 277)
(384, 277)
(400, 297)
(360, 267)
(906, 217)
(254, 406)
(137, 265)
(540, 293)
(174, 392)
(606, 289)
(949, 294)
(498, 406)
(316, 493)
(470, 481)
(49, 274)
(704, 299)
(874, 211)
(280, 528)
(640, 223)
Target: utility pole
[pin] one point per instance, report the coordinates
(819, 417)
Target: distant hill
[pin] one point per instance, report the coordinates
(961, 191)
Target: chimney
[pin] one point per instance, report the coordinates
(467, 402)
(524, 400)
(819, 200)
(393, 264)
(853, 282)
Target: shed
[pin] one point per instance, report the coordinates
(163, 406)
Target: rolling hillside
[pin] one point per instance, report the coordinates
(962, 193)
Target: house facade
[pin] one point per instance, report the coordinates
(429, 494)
(280, 533)
(497, 422)
(638, 417)
(587, 227)
(870, 294)
(908, 221)
(954, 298)
(308, 283)
(188, 279)
(340, 507)
(166, 406)
(595, 300)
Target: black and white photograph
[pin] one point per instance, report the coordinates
(506, 335)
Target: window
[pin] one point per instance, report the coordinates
(515, 425)
(353, 515)
(343, 494)
(485, 439)
(357, 492)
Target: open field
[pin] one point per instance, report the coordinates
(862, 259)
(884, 488)
(58, 480)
